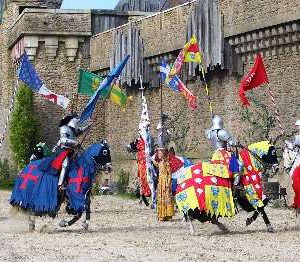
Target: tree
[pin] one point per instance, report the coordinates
(23, 127)
(260, 121)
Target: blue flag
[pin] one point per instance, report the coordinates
(102, 89)
(164, 75)
(30, 77)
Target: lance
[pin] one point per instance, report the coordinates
(276, 110)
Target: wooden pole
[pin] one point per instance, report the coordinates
(276, 110)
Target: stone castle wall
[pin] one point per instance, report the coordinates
(249, 27)
(270, 27)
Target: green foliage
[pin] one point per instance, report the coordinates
(259, 119)
(122, 181)
(23, 127)
(7, 175)
(179, 127)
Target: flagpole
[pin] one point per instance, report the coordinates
(161, 100)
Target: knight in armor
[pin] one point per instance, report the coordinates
(70, 129)
(219, 137)
(296, 142)
(223, 141)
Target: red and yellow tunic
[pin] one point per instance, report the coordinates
(142, 168)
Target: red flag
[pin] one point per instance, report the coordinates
(255, 78)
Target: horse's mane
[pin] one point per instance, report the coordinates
(260, 148)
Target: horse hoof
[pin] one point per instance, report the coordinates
(31, 228)
(248, 221)
(270, 229)
(63, 223)
(85, 226)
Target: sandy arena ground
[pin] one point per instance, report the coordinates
(122, 230)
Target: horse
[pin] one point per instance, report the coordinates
(291, 157)
(36, 191)
(205, 190)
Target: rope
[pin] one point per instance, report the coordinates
(11, 107)
(276, 110)
(207, 92)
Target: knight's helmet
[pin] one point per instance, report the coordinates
(67, 118)
(217, 135)
(217, 123)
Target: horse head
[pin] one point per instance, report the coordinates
(264, 155)
(100, 153)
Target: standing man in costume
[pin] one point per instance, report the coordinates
(165, 201)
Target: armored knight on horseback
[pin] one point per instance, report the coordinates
(291, 157)
(222, 140)
(70, 129)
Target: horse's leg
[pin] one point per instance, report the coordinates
(86, 223)
(31, 222)
(191, 226)
(65, 223)
(266, 220)
(249, 220)
(221, 226)
(145, 200)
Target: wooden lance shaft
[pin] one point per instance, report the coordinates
(276, 110)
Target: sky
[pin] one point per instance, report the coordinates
(89, 4)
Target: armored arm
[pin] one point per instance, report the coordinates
(67, 137)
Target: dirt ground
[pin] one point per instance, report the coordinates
(122, 230)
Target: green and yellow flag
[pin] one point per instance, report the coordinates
(118, 97)
(88, 83)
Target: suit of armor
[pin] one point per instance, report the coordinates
(222, 140)
(218, 136)
(296, 142)
(69, 131)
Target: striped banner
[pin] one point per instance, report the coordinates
(11, 107)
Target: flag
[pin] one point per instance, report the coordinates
(192, 53)
(103, 90)
(118, 97)
(28, 75)
(88, 83)
(189, 53)
(255, 78)
(177, 83)
(164, 75)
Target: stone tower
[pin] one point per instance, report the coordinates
(54, 40)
